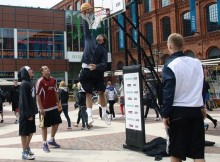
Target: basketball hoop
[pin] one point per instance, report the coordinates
(94, 16)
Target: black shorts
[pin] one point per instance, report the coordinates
(52, 118)
(26, 127)
(92, 80)
(187, 137)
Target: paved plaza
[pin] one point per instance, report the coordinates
(102, 143)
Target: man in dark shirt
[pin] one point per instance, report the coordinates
(14, 98)
(94, 62)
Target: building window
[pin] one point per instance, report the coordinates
(187, 25)
(77, 5)
(22, 43)
(148, 5)
(70, 7)
(165, 3)
(166, 28)
(6, 43)
(212, 17)
(149, 32)
(87, 1)
(214, 53)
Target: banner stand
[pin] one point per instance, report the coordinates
(133, 96)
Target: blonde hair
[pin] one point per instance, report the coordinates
(176, 40)
(62, 84)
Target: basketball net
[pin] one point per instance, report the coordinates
(94, 19)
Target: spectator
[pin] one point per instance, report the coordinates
(183, 110)
(28, 110)
(64, 97)
(14, 98)
(48, 102)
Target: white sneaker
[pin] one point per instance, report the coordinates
(107, 119)
(157, 119)
(90, 120)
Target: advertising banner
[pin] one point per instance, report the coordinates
(121, 32)
(193, 15)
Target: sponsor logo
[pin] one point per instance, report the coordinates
(134, 84)
(130, 112)
(135, 98)
(131, 125)
(136, 92)
(135, 112)
(136, 126)
(129, 85)
(129, 98)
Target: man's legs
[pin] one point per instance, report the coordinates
(175, 159)
(89, 107)
(25, 141)
(103, 103)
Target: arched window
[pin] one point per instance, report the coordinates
(186, 25)
(70, 7)
(149, 32)
(165, 3)
(190, 54)
(166, 28)
(77, 4)
(148, 5)
(214, 53)
(212, 17)
(120, 65)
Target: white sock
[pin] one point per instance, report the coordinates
(51, 139)
(103, 111)
(89, 111)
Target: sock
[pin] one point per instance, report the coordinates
(103, 111)
(89, 112)
(51, 139)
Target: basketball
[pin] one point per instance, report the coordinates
(85, 6)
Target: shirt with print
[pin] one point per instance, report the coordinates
(46, 89)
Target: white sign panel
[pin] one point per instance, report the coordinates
(132, 101)
(73, 56)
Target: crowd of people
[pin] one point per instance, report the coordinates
(183, 109)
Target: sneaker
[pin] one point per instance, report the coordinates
(87, 128)
(75, 125)
(29, 151)
(16, 121)
(157, 119)
(90, 120)
(107, 119)
(26, 156)
(53, 143)
(46, 148)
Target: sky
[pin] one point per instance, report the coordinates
(31, 3)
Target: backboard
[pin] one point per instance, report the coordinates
(115, 6)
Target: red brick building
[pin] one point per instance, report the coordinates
(159, 18)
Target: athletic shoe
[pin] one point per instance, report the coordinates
(90, 120)
(29, 151)
(16, 121)
(53, 143)
(157, 119)
(107, 119)
(46, 148)
(26, 156)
